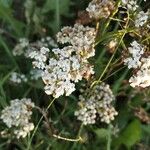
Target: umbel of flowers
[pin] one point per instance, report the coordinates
(24, 46)
(100, 8)
(138, 52)
(140, 63)
(17, 117)
(96, 103)
(63, 67)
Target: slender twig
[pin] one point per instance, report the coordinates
(67, 139)
(33, 134)
(109, 138)
(78, 135)
(109, 20)
(113, 73)
(50, 128)
(97, 27)
(110, 60)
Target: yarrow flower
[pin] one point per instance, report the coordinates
(96, 102)
(136, 51)
(46, 42)
(40, 57)
(35, 74)
(141, 18)
(21, 46)
(141, 78)
(24, 47)
(18, 78)
(131, 5)
(81, 38)
(67, 65)
(17, 117)
(100, 8)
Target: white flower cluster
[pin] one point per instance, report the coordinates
(60, 74)
(24, 47)
(97, 101)
(100, 8)
(18, 78)
(17, 116)
(142, 65)
(46, 42)
(142, 77)
(68, 65)
(21, 47)
(87, 112)
(81, 39)
(40, 57)
(131, 5)
(141, 18)
(136, 51)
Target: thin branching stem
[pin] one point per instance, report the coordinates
(67, 139)
(109, 138)
(33, 134)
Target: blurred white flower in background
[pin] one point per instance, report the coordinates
(17, 78)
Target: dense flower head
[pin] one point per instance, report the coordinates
(58, 73)
(140, 62)
(131, 5)
(141, 18)
(40, 57)
(96, 101)
(81, 38)
(62, 71)
(87, 112)
(142, 77)
(136, 50)
(100, 8)
(17, 116)
(63, 67)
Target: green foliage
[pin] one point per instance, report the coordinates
(130, 135)
(60, 8)
(102, 133)
(35, 19)
(6, 16)
(62, 5)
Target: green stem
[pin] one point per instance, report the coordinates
(57, 14)
(109, 20)
(3, 43)
(113, 73)
(110, 60)
(78, 135)
(29, 144)
(109, 138)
